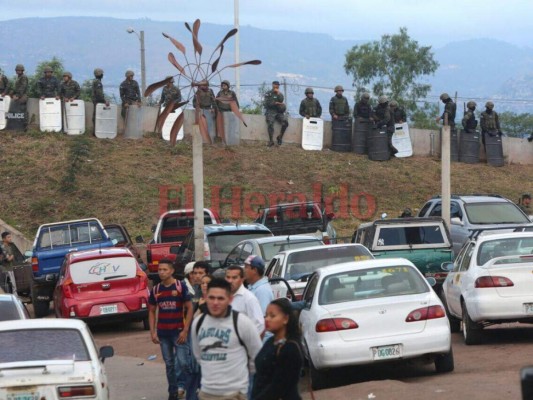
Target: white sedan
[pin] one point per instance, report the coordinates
(51, 359)
(490, 282)
(372, 311)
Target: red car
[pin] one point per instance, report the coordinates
(104, 284)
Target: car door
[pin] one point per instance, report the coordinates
(233, 256)
(274, 270)
(308, 315)
(58, 290)
(458, 281)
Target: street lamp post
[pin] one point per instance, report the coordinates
(140, 35)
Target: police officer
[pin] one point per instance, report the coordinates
(129, 92)
(170, 93)
(97, 92)
(384, 121)
(338, 105)
(19, 92)
(310, 107)
(225, 96)
(398, 113)
(489, 121)
(362, 109)
(48, 85)
(449, 110)
(275, 110)
(69, 89)
(469, 120)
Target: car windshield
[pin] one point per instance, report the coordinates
(9, 311)
(42, 344)
(220, 244)
(414, 236)
(103, 269)
(269, 250)
(519, 246)
(175, 227)
(495, 213)
(371, 283)
(304, 263)
(69, 234)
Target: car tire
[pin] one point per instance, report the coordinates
(318, 377)
(471, 330)
(444, 362)
(146, 324)
(455, 323)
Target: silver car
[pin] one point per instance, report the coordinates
(12, 308)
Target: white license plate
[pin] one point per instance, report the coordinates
(112, 309)
(23, 396)
(528, 308)
(386, 352)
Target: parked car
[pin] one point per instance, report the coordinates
(477, 211)
(119, 233)
(61, 363)
(490, 282)
(219, 240)
(267, 247)
(295, 266)
(52, 242)
(105, 284)
(298, 219)
(370, 312)
(12, 308)
(171, 230)
(424, 241)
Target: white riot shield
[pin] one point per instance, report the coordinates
(402, 141)
(312, 134)
(105, 124)
(50, 115)
(4, 109)
(231, 129)
(74, 118)
(134, 122)
(211, 124)
(169, 122)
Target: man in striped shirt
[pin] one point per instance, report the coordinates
(172, 301)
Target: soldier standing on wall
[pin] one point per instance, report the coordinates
(97, 93)
(449, 110)
(275, 110)
(310, 107)
(48, 85)
(398, 113)
(384, 121)
(19, 92)
(469, 120)
(363, 110)
(338, 105)
(489, 121)
(129, 93)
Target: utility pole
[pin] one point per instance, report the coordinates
(198, 192)
(143, 64)
(237, 73)
(445, 171)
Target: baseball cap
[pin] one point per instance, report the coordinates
(188, 268)
(255, 261)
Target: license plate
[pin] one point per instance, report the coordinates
(112, 309)
(528, 308)
(385, 352)
(23, 396)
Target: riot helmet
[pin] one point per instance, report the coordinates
(489, 105)
(444, 96)
(309, 91)
(471, 105)
(383, 99)
(225, 82)
(66, 73)
(129, 72)
(338, 87)
(98, 72)
(47, 69)
(365, 96)
(19, 67)
(394, 103)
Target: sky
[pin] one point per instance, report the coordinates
(431, 22)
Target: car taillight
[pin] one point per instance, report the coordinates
(493, 281)
(67, 288)
(34, 264)
(335, 324)
(74, 391)
(143, 280)
(425, 313)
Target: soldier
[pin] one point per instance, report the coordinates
(204, 98)
(469, 120)
(398, 113)
(275, 110)
(170, 93)
(449, 110)
(69, 89)
(19, 92)
(524, 203)
(226, 94)
(97, 93)
(4, 84)
(48, 85)
(489, 121)
(310, 107)
(338, 105)
(129, 92)
(384, 121)
(362, 109)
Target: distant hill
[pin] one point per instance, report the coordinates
(478, 68)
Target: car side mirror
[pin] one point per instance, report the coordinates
(174, 249)
(432, 281)
(139, 239)
(447, 266)
(384, 215)
(114, 241)
(106, 352)
(456, 221)
(28, 254)
(526, 378)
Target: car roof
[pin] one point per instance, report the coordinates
(356, 265)
(492, 235)
(281, 238)
(187, 211)
(8, 297)
(329, 246)
(404, 221)
(95, 254)
(69, 222)
(43, 323)
(477, 198)
(228, 227)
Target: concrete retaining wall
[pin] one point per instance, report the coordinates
(18, 238)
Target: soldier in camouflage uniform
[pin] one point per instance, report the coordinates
(338, 105)
(489, 122)
(48, 85)
(450, 109)
(384, 120)
(4, 84)
(226, 94)
(69, 89)
(275, 110)
(362, 109)
(398, 113)
(310, 107)
(129, 92)
(170, 93)
(469, 120)
(19, 92)
(204, 98)
(97, 93)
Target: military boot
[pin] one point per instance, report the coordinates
(279, 138)
(270, 139)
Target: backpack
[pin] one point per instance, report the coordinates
(178, 288)
(235, 317)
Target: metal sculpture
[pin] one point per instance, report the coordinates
(196, 73)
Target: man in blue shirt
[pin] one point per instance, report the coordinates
(254, 271)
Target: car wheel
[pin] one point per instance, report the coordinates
(318, 377)
(455, 323)
(146, 324)
(471, 329)
(444, 362)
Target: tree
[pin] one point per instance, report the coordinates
(257, 102)
(516, 125)
(392, 67)
(57, 67)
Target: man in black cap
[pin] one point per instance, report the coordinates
(275, 110)
(525, 202)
